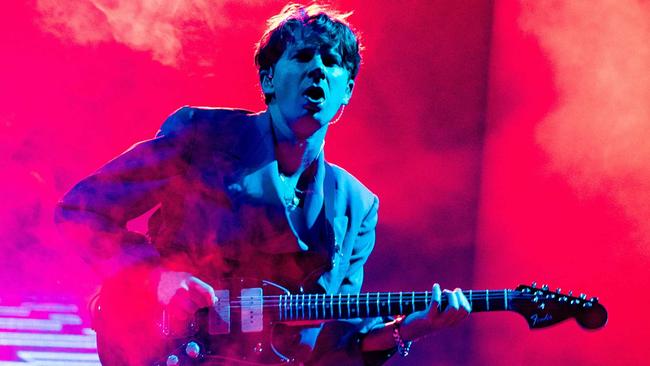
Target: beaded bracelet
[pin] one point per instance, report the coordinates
(403, 347)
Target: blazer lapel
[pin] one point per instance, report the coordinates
(335, 218)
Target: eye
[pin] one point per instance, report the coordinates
(331, 60)
(304, 55)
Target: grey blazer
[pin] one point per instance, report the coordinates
(211, 178)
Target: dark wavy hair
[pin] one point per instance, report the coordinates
(327, 25)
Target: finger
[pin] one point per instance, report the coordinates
(436, 297)
(182, 307)
(181, 311)
(464, 308)
(464, 303)
(450, 313)
(198, 298)
(202, 293)
(452, 301)
(185, 301)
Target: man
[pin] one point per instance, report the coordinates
(241, 194)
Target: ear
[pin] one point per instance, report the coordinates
(266, 80)
(348, 92)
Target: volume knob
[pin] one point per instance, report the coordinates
(193, 349)
(172, 360)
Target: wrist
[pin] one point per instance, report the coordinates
(415, 326)
(403, 345)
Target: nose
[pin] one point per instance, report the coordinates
(316, 68)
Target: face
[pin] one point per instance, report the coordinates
(310, 84)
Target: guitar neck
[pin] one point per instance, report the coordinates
(302, 307)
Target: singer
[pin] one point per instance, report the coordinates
(243, 194)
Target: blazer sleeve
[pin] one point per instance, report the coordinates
(94, 213)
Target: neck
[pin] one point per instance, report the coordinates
(373, 304)
(295, 152)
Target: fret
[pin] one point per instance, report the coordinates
(487, 300)
(505, 298)
(349, 306)
(280, 306)
(302, 306)
(294, 307)
(413, 301)
(340, 311)
(400, 303)
(470, 299)
(367, 303)
(378, 310)
(324, 314)
(389, 312)
(290, 307)
(332, 306)
(426, 299)
(298, 306)
(316, 306)
(358, 312)
(309, 305)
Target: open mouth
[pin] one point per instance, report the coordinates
(314, 94)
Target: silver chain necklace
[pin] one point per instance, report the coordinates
(289, 193)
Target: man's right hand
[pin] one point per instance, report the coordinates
(182, 294)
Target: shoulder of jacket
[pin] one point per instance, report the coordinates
(187, 116)
(352, 186)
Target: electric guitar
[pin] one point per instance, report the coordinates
(250, 324)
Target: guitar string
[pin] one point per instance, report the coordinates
(394, 297)
(353, 298)
(297, 301)
(406, 295)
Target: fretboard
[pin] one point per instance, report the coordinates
(373, 304)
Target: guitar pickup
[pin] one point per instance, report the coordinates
(252, 306)
(219, 314)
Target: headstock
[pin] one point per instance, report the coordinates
(542, 307)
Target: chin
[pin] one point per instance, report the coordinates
(308, 125)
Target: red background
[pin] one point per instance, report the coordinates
(506, 140)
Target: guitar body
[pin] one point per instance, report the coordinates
(132, 329)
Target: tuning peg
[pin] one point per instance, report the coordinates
(545, 287)
(570, 293)
(534, 284)
(583, 297)
(593, 299)
(558, 290)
